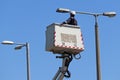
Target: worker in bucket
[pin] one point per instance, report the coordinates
(71, 20)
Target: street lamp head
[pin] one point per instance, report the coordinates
(8, 42)
(19, 47)
(109, 14)
(63, 10)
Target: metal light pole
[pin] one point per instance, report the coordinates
(19, 46)
(97, 49)
(109, 14)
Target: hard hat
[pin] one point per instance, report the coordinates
(73, 12)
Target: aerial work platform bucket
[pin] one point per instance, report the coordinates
(64, 38)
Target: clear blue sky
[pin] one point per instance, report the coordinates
(26, 20)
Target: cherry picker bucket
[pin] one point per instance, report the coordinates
(64, 38)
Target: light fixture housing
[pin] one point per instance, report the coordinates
(109, 14)
(19, 47)
(8, 42)
(63, 10)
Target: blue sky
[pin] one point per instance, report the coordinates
(26, 21)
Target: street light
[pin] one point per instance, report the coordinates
(64, 10)
(19, 46)
(109, 14)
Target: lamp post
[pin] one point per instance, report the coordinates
(109, 14)
(19, 46)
